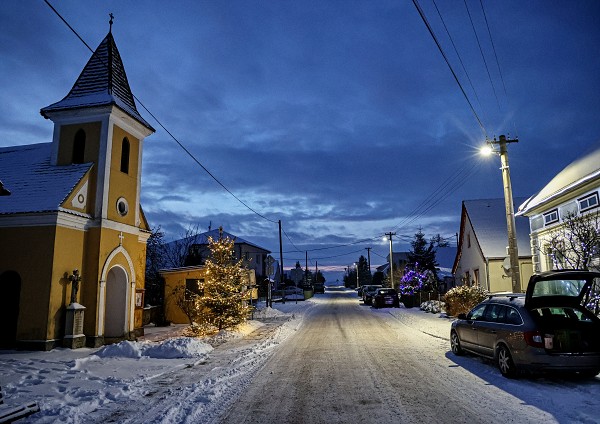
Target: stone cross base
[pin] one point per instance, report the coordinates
(74, 337)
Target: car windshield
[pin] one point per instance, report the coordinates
(558, 288)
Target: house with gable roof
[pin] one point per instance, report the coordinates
(74, 204)
(193, 274)
(481, 257)
(572, 192)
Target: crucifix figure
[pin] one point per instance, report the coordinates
(75, 279)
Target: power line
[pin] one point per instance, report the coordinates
(456, 51)
(482, 55)
(439, 46)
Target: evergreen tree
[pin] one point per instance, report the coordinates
(364, 275)
(154, 283)
(422, 255)
(223, 292)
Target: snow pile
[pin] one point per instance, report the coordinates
(433, 306)
(182, 347)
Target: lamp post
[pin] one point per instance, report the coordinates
(357, 281)
(513, 251)
(390, 234)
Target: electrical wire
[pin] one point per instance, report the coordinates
(456, 51)
(439, 46)
(482, 55)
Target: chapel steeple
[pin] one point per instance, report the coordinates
(102, 82)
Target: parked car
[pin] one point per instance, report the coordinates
(368, 291)
(319, 288)
(385, 297)
(359, 290)
(546, 329)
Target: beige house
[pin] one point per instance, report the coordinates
(573, 191)
(482, 255)
(192, 278)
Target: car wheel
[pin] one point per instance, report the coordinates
(505, 362)
(455, 344)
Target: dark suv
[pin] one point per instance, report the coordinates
(368, 292)
(547, 328)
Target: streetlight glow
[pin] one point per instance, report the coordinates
(486, 150)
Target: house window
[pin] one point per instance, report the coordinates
(125, 156)
(551, 217)
(469, 241)
(194, 287)
(476, 277)
(588, 202)
(79, 146)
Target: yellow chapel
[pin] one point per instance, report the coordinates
(72, 232)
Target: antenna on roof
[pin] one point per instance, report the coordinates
(110, 22)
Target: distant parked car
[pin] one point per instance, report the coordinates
(546, 329)
(319, 288)
(368, 292)
(386, 298)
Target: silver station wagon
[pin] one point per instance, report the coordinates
(546, 329)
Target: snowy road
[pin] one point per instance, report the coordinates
(350, 363)
(326, 360)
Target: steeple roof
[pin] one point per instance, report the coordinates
(102, 82)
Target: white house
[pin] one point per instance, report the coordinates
(482, 256)
(573, 191)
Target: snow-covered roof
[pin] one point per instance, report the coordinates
(214, 234)
(574, 175)
(102, 82)
(488, 218)
(34, 184)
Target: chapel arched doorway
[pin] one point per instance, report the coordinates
(115, 321)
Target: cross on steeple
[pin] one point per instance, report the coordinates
(111, 21)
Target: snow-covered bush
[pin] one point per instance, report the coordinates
(433, 306)
(462, 299)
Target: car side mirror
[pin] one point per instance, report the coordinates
(462, 316)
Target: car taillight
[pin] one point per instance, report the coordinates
(534, 338)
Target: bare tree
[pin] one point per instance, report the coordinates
(176, 253)
(576, 243)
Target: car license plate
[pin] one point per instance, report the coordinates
(389, 301)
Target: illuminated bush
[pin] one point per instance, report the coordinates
(463, 298)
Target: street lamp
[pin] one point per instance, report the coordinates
(357, 283)
(513, 251)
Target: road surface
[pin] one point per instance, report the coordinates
(349, 363)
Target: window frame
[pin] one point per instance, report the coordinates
(593, 195)
(551, 217)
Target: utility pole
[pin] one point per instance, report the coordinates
(390, 234)
(306, 270)
(369, 258)
(281, 265)
(513, 251)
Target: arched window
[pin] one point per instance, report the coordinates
(125, 156)
(79, 146)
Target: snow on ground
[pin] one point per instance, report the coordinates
(89, 385)
(70, 385)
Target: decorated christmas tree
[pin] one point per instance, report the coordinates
(224, 296)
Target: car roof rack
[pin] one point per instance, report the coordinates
(511, 296)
